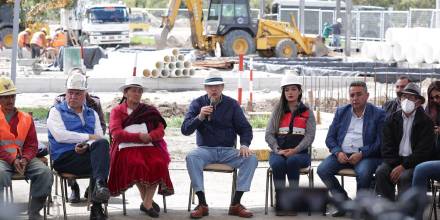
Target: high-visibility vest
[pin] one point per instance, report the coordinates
(23, 39)
(59, 39)
(39, 38)
(8, 141)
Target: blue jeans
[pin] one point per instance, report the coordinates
(364, 170)
(424, 172)
(39, 174)
(198, 158)
(336, 40)
(290, 166)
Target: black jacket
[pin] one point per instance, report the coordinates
(422, 140)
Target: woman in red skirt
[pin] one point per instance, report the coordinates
(138, 152)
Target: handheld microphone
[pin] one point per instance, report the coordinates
(212, 102)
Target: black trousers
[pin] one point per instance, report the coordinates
(386, 188)
(35, 51)
(95, 161)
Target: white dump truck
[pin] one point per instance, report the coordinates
(103, 24)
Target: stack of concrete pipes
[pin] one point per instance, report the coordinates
(152, 64)
(171, 64)
(414, 45)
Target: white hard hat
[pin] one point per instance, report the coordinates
(339, 20)
(213, 78)
(132, 81)
(290, 79)
(76, 81)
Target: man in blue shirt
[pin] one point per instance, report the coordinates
(354, 140)
(217, 120)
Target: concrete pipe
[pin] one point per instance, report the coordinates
(173, 58)
(437, 53)
(398, 52)
(192, 72)
(175, 52)
(179, 65)
(167, 58)
(164, 73)
(427, 51)
(187, 64)
(176, 73)
(180, 57)
(170, 66)
(146, 73)
(386, 51)
(185, 72)
(155, 73)
(414, 55)
(159, 65)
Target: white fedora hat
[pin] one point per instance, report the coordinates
(132, 81)
(214, 78)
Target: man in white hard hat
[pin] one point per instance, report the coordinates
(336, 31)
(94, 103)
(354, 140)
(217, 120)
(18, 148)
(76, 141)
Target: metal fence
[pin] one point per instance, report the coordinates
(365, 25)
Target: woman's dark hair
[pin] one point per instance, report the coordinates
(123, 97)
(282, 106)
(432, 108)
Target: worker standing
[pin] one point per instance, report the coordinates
(59, 38)
(38, 42)
(24, 41)
(326, 31)
(337, 30)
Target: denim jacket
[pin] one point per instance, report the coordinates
(371, 133)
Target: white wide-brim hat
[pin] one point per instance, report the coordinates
(213, 78)
(132, 81)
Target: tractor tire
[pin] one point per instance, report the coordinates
(6, 35)
(286, 48)
(238, 42)
(266, 53)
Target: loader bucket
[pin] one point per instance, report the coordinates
(319, 48)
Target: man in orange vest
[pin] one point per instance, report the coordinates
(59, 39)
(38, 42)
(24, 41)
(18, 148)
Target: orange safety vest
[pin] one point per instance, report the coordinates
(23, 39)
(59, 39)
(8, 141)
(39, 38)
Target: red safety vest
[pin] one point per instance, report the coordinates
(8, 141)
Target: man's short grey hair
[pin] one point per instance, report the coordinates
(359, 83)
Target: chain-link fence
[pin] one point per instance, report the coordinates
(365, 25)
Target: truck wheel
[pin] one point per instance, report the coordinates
(238, 42)
(6, 34)
(286, 48)
(265, 53)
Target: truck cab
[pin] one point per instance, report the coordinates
(106, 25)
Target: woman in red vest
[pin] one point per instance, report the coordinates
(289, 133)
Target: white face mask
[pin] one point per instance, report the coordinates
(408, 106)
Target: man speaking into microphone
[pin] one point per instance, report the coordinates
(217, 120)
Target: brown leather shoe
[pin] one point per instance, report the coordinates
(240, 210)
(199, 211)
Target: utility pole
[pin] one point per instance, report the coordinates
(338, 9)
(14, 40)
(262, 9)
(301, 16)
(348, 6)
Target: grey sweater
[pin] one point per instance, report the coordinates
(306, 142)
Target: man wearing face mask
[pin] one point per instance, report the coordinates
(408, 139)
(393, 105)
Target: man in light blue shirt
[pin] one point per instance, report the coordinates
(354, 139)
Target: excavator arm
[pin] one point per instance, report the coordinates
(195, 10)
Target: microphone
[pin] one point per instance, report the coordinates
(212, 102)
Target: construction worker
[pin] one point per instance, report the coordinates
(24, 40)
(50, 51)
(18, 149)
(38, 42)
(326, 31)
(337, 30)
(59, 38)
